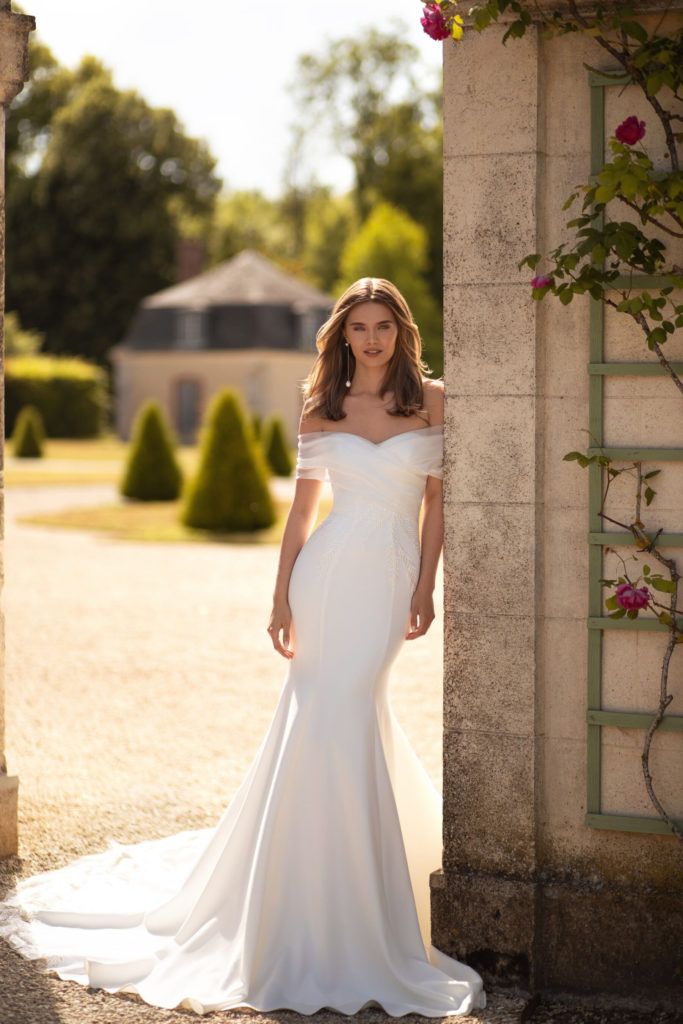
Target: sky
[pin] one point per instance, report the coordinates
(223, 66)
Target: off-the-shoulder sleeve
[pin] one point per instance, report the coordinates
(432, 453)
(310, 461)
(436, 466)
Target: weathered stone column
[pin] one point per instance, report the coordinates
(14, 30)
(532, 892)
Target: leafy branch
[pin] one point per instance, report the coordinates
(633, 595)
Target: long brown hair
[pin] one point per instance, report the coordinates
(326, 382)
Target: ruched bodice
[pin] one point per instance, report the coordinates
(377, 490)
(388, 474)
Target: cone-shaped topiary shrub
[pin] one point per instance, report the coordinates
(152, 472)
(256, 424)
(28, 434)
(230, 491)
(275, 447)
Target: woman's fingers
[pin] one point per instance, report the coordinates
(419, 622)
(275, 637)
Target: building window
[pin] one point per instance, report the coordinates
(187, 408)
(190, 328)
(309, 322)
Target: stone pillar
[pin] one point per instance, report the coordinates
(14, 30)
(530, 894)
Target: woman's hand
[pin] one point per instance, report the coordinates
(281, 619)
(422, 607)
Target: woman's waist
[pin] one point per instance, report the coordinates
(361, 507)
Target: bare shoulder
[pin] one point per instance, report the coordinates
(309, 423)
(434, 399)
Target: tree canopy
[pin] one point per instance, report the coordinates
(104, 180)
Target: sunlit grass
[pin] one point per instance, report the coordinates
(158, 521)
(95, 461)
(101, 461)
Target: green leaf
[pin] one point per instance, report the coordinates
(665, 586)
(603, 194)
(617, 615)
(629, 186)
(658, 336)
(654, 83)
(635, 30)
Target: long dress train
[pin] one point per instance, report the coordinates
(312, 890)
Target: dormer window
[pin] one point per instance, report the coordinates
(190, 328)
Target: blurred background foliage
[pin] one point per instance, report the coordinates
(101, 186)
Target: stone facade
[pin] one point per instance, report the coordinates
(529, 893)
(183, 382)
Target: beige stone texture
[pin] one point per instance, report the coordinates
(516, 557)
(267, 380)
(632, 669)
(9, 839)
(623, 791)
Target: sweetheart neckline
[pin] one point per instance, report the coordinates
(375, 444)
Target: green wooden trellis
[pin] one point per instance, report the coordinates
(598, 369)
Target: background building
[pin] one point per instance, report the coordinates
(244, 324)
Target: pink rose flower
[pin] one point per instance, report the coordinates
(629, 596)
(433, 22)
(541, 281)
(630, 131)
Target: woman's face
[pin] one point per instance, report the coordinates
(371, 330)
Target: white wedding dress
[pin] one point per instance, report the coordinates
(312, 890)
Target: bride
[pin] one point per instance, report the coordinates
(312, 889)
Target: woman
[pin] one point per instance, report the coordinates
(312, 890)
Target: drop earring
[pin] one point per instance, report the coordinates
(348, 370)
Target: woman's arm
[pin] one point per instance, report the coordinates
(431, 537)
(431, 543)
(300, 520)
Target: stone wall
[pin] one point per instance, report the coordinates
(529, 893)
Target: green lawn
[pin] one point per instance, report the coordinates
(151, 521)
(98, 460)
(102, 461)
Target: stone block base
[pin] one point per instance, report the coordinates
(9, 837)
(546, 937)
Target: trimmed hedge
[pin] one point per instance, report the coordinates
(152, 472)
(28, 434)
(230, 491)
(70, 394)
(275, 447)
